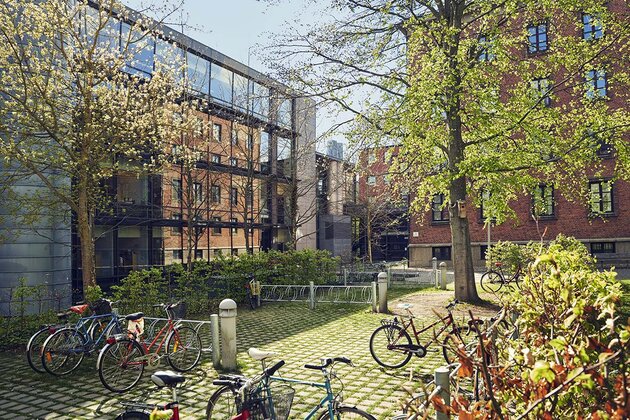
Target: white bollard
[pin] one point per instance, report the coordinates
(442, 380)
(382, 292)
(443, 275)
(311, 295)
(374, 297)
(227, 312)
(436, 278)
(216, 343)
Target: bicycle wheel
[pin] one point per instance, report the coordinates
(342, 412)
(183, 348)
(63, 351)
(452, 342)
(491, 281)
(154, 329)
(222, 404)
(390, 345)
(133, 415)
(121, 365)
(34, 349)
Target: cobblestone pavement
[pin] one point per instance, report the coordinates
(298, 334)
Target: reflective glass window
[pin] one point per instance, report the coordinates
(221, 83)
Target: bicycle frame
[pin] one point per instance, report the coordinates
(327, 400)
(446, 320)
(81, 327)
(165, 330)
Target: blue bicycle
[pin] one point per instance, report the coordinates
(266, 396)
(64, 350)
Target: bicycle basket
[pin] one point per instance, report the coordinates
(262, 405)
(177, 311)
(102, 307)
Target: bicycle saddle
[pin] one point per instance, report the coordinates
(260, 355)
(167, 378)
(135, 316)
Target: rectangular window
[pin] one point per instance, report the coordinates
(541, 90)
(602, 248)
(214, 158)
(250, 142)
(216, 132)
(544, 201)
(591, 27)
(218, 252)
(485, 54)
(596, 84)
(601, 199)
(234, 252)
(198, 192)
(199, 254)
(372, 157)
(178, 254)
(176, 230)
(442, 253)
(215, 193)
(234, 137)
(234, 221)
(249, 197)
(221, 83)
(371, 180)
(537, 38)
(176, 186)
(233, 161)
(216, 230)
(251, 224)
(439, 211)
(483, 252)
(233, 196)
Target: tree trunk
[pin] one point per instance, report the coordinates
(465, 289)
(368, 234)
(84, 227)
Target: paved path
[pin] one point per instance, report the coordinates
(298, 334)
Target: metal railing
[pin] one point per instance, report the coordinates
(319, 294)
(203, 328)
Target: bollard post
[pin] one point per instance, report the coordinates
(215, 337)
(345, 276)
(442, 380)
(434, 264)
(443, 275)
(389, 276)
(374, 297)
(382, 292)
(227, 312)
(311, 295)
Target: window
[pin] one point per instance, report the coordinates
(234, 252)
(234, 221)
(601, 197)
(218, 252)
(199, 254)
(216, 132)
(233, 161)
(233, 196)
(544, 201)
(485, 53)
(591, 27)
(602, 147)
(249, 197)
(251, 224)
(198, 192)
(214, 158)
(234, 137)
(537, 38)
(371, 180)
(372, 157)
(439, 212)
(602, 248)
(220, 83)
(483, 252)
(176, 230)
(250, 142)
(216, 230)
(178, 254)
(284, 113)
(215, 193)
(198, 73)
(541, 90)
(176, 186)
(442, 253)
(596, 84)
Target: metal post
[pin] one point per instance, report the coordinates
(434, 264)
(441, 376)
(227, 312)
(443, 275)
(345, 276)
(215, 337)
(311, 295)
(389, 276)
(374, 297)
(382, 292)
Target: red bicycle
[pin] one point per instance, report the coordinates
(121, 362)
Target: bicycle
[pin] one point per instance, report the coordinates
(64, 350)
(391, 346)
(266, 396)
(170, 410)
(493, 280)
(252, 288)
(122, 360)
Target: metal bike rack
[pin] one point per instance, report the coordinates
(202, 328)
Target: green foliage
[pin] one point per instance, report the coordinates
(140, 290)
(93, 293)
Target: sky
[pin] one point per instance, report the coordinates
(235, 27)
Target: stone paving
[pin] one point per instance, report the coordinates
(297, 333)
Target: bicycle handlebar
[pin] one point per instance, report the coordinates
(452, 304)
(329, 361)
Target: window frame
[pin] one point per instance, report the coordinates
(234, 196)
(217, 130)
(540, 193)
(538, 84)
(216, 230)
(215, 194)
(177, 192)
(592, 79)
(444, 217)
(594, 29)
(234, 229)
(437, 251)
(215, 158)
(601, 193)
(537, 47)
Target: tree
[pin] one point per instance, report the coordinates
(80, 101)
(453, 83)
